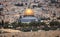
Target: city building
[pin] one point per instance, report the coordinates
(13, 12)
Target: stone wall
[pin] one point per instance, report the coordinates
(33, 34)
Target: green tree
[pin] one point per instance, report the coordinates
(6, 24)
(43, 24)
(14, 25)
(54, 23)
(19, 24)
(25, 25)
(34, 23)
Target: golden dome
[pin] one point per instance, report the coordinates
(28, 12)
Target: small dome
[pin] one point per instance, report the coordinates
(28, 12)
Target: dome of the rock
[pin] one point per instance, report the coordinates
(28, 12)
